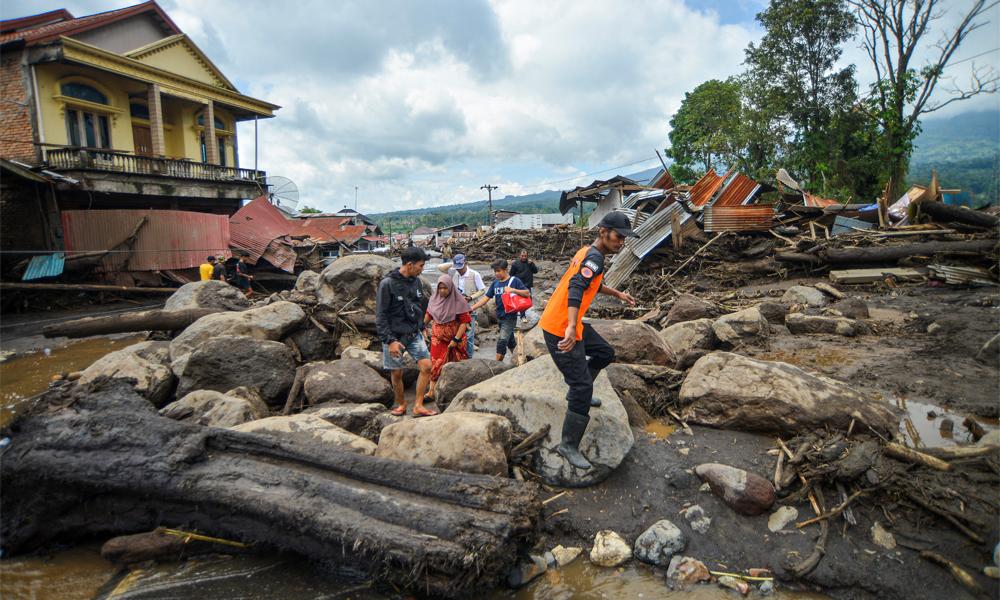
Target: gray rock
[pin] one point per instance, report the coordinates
(634, 342)
(252, 395)
(852, 308)
(271, 322)
(207, 294)
(774, 312)
(373, 358)
(313, 344)
(741, 326)
(658, 544)
(356, 418)
(225, 362)
(459, 441)
(744, 492)
(354, 276)
(457, 376)
(212, 409)
(799, 323)
(641, 388)
(690, 335)
(309, 430)
(534, 395)
(731, 391)
(609, 549)
(308, 282)
(805, 295)
(688, 308)
(145, 364)
(345, 381)
(697, 519)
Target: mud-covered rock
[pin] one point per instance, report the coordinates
(688, 307)
(271, 322)
(457, 376)
(145, 364)
(252, 395)
(634, 342)
(313, 344)
(732, 391)
(658, 544)
(534, 395)
(212, 409)
(852, 308)
(774, 312)
(741, 326)
(374, 359)
(345, 381)
(356, 418)
(799, 323)
(746, 493)
(806, 296)
(643, 389)
(690, 335)
(308, 282)
(460, 441)
(207, 294)
(225, 362)
(354, 276)
(309, 429)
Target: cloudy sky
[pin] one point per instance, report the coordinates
(419, 103)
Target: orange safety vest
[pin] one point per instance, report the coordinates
(555, 318)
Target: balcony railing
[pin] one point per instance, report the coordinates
(123, 162)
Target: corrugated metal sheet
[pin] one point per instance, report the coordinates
(167, 239)
(281, 255)
(706, 187)
(48, 265)
(738, 218)
(253, 227)
(535, 221)
(817, 201)
(638, 197)
(739, 191)
(653, 232)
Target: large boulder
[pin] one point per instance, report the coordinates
(271, 322)
(658, 544)
(146, 364)
(799, 323)
(313, 344)
(533, 396)
(309, 429)
(307, 282)
(457, 376)
(806, 296)
(213, 409)
(746, 493)
(354, 276)
(741, 326)
(731, 391)
(460, 441)
(207, 294)
(345, 381)
(852, 308)
(374, 359)
(688, 308)
(690, 335)
(225, 362)
(774, 312)
(634, 342)
(356, 418)
(252, 395)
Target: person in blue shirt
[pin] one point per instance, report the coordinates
(503, 284)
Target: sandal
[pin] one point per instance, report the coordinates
(399, 411)
(424, 412)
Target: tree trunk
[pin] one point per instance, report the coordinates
(946, 213)
(98, 460)
(894, 253)
(147, 320)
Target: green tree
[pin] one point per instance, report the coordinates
(705, 132)
(893, 31)
(308, 210)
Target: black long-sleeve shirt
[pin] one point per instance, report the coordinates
(525, 271)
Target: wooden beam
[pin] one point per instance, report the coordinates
(86, 287)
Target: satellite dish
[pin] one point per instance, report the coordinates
(283, 193)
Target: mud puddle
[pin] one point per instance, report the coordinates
(929, 426)
(24, 376)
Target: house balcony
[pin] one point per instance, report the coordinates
(117, 172)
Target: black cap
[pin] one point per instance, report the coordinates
(619, 222)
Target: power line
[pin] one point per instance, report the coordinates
(958, 62)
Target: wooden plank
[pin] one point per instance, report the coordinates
(86, 287)
(873, 275)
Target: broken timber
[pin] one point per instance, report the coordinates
(147, 320)
(873, 275)
(99, 460)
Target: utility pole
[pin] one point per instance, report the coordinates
(355, 198)
(489, 191)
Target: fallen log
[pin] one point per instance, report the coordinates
(147, 320)
(946, 213)
(893, 253)
(86, 287)
(909, 455)
(98, 459)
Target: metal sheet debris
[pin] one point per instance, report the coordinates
(738, 218)
(47, 265)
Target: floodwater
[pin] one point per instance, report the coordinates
(81, 574)
(929, 426)
(24, 376)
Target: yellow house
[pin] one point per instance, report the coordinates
(124, 105)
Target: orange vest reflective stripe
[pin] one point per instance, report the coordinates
(556, 315)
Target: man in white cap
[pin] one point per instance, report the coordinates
(468, 282)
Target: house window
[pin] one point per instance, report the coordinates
(139, 111)
(218, 122)
(88, 129)
(222, 150)
(83, 91)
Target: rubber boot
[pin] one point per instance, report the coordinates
(573, 427)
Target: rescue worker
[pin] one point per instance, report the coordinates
(577, 350)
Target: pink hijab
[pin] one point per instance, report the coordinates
(446, 310)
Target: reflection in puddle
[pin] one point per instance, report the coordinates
(928, 426)
(75, 574)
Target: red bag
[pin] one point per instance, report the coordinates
(512, 303)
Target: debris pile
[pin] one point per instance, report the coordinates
(554, 243)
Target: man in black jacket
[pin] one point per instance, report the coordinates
(524, 269)
(399, 317)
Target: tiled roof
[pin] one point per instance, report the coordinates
(51, 31)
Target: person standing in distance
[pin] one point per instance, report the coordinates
(578, 351)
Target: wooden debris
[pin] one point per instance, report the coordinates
(960, 574)
(873, 275)
(147, 320)
(909, 455)
(826, 288)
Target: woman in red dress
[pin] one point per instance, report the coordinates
(450, 314)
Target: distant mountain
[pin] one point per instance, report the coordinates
(474, 213)
(962, 149)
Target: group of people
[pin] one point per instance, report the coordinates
(214, 268)
(441, 329)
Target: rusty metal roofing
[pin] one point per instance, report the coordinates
(705, 188)
(280, 254)
(164, 239)
(738, 218)
(662, 180)
(817, 201)
(253, 227)
(740, 190)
